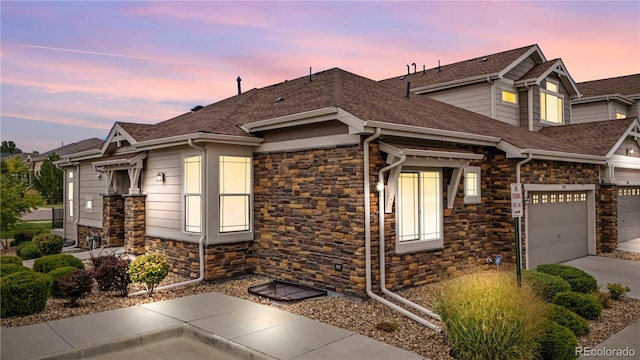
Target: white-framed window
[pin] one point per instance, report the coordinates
(419, 214)
(509, 97)
(70, 193)
(192, 193)
(88, 204)
(472, 188)
(551, 103)
(235, 193)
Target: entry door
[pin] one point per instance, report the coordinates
(557, 227)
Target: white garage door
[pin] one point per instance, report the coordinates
(557, 227)
(628, 213)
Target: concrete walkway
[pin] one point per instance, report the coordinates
(608, 270)
(237, 327)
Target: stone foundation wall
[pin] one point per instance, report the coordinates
(113, 220)
(309, 217)
(607, 218)
(221, 260)
(134, 224)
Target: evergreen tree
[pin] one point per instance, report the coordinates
(49, 181)
(9, 147)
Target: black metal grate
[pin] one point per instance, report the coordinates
(286, 292)
(57, 218)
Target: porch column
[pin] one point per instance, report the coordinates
(113, 220)
(608, 215)
(134, 224)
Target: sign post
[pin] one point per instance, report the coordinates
(516, 213)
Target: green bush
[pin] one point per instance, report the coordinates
(112, 274)
(75, 286)
(488, 317)
(24, 293)
(28, 250)
(21, 237)
(617, 291)
(48, 263)
(579, 280)
(58, 274)
(568, 319)
(10, 259)
(603, 297)
(585, 305)
(49, 244)
(558, 342)
(6, 269)
(546, 286)
(149, 269)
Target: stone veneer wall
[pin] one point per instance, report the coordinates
(113, 220)
(84, 231)
(134, 224)
(222, 261)
(309, 217)
(607, 215)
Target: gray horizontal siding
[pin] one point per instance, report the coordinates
(476, 97)
(91, 187)
(520, 69)
(589, 112)
(164, 199)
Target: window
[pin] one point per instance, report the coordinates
(472, 185)
(70, 193)
(192, 193)
(88, 204)
(551, 109)
(235, 193)
(620, 115)
(419, 211)
(509, 97)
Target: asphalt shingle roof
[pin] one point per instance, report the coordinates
(80, 146)
(624, 85)
(594, 138)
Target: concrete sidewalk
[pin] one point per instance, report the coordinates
(240, 328)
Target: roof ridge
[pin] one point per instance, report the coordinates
(337, 88)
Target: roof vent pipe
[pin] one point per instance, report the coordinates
(408, 70)
(439, 69)
(408, 88)
(239, 88)
(414, 68)
(310, 79)
(424, 69)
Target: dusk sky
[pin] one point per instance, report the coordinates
(69, 70)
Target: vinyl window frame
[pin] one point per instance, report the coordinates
(235, 192)
(472, 185)
(192, 223)
(545, 95)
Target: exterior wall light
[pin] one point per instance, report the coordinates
(160, 177)
(630, 151)
(380, 186)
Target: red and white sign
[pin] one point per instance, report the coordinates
(516, 200)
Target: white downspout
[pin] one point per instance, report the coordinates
(367, 238)
(518, 165)
(203, 222)
(382, 252)
(64, 216)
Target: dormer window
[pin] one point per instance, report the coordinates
(620, 115)
(551, 103)
(509, 97)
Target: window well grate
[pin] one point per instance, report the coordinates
(286, 292)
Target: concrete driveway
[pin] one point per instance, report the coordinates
(608, 270)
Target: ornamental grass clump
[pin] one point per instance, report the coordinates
(488, 317)
(149, 269)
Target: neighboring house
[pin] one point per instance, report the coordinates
(281, 181)
(613, 98)
(35, 161)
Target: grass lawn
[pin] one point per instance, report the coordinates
(33, 226)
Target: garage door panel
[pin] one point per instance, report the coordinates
(557, 227)
(628, 213)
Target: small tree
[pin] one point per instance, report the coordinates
(49, 181)
(149, 269)
(17, 199)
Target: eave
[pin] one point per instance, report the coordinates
(455, 83)
(610, 97)
(418, 132)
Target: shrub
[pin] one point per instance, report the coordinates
(24, 293)
(49, 244)
(48, 263)
(568, 319)
(75, 286)
(6, 269)
(28, 250)
(585, 305)
(10, 259)
(149, 269)
(546, 286)
(617, 291)
(21, 237)
(603, 297)
(58, 274)
(112, 274)
(473, 304)
(579, 280)
(558, 342)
